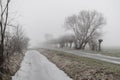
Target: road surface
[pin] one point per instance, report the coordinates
(37, 67)
(115, 60)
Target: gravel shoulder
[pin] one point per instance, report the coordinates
(81, 68)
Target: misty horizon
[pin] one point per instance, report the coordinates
(47, 17)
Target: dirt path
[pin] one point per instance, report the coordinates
(37, 67)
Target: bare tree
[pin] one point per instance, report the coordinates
(7, 44)
(93, 44)
(19, 40)
(68, 39)
(62, 41)
(4, 13)
(85, 25)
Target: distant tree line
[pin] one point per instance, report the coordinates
(86, 27)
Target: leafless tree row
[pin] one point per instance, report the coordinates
(86, 27)
(62, 41)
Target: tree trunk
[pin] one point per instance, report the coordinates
(99, 46)
(1, 59)
(70, 45)
(2, 53)
(80, 45)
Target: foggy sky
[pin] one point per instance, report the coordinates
(39, 17)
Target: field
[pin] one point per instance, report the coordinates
(109, 51)
(81, 68)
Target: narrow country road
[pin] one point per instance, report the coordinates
(115, 60)
(37, 67)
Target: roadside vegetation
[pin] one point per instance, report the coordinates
(13, 42)
(81, 68)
